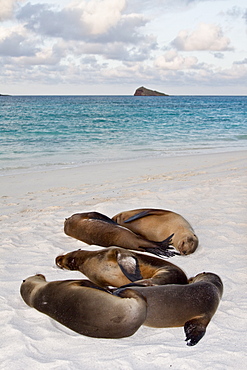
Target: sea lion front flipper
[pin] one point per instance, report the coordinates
(118, 291)
(142, 214)
(129, 266)
(100, 216)
(163, 248)
(194, 331)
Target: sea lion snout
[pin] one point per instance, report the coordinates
(188, 245)
(65, 262)
(59, 261)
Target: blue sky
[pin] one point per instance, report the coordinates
(105, 47)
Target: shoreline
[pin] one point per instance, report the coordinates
(48, 167)
(37, 179)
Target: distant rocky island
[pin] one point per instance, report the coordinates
(4, 95)
(143, 91)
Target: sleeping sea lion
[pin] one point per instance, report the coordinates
(85, 308)
(191, 305)
(157, 225)
(117, 266)
(96, 228)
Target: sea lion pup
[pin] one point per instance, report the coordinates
(158, 224)
(117, 266)
(96, 228)
(85, 308)
(191, 306)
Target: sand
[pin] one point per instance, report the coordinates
(208, 190)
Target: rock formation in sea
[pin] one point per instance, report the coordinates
(143, 91)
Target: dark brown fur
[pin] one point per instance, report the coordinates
(191, 306)
(83, 307)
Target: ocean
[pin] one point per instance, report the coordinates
(47, 132)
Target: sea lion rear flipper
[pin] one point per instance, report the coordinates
(141, 214)
(129, 266)
(194, 331)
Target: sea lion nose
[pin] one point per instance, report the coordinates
(59, 261)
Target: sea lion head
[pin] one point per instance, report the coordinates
(70, 223)
(187, 244)
(208, 277)
(29, 286)
(66, 262)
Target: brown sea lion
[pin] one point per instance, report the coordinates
(191, 305)
(117, 266)
(96, 228)
(157, 225)
(85, 308)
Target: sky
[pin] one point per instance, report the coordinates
(112, 47)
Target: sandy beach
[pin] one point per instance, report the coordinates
(208, 190)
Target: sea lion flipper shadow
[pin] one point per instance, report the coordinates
(129, 266)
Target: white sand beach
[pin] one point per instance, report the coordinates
(208, 190)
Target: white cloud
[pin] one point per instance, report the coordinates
(109, 42)
(7, 8)
(206, 37)
(89, 21)
(171, 60)
(14, 42)
(99, 15)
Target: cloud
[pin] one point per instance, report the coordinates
(234, 12)
(244, 61)
(14, 43)
(107, 42)
(98, 16)
(7, 8)
(95, 20)
(218, 55)
(206, 37)
(96, 27)
(245, 16)
(171, 60)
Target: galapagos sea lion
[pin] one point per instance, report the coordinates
(191, 305)
(157, 225)
(116, 266)
(85, 308)
(96, 228)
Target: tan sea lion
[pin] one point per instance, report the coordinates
(96, 228)
(191, 306)
(85, 308)
(157, 225)
(117, 266)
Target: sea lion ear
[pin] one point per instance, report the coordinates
(129, 266)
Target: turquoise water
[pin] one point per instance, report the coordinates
(46, 132)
